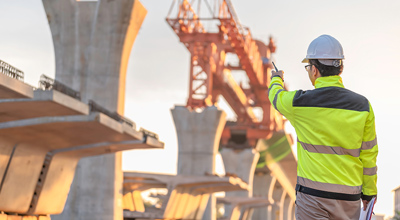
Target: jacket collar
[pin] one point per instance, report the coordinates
(329, 81)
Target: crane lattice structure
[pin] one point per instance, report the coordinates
(210, 73)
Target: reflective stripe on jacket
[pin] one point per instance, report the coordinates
(336, 139)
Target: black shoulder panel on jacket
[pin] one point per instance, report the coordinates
(331, 97)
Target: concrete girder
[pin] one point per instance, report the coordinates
(11, 88)
(187, 196)
(16, 217)
(62, 139)
(44, 103)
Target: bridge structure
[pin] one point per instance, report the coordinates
(44, 132)
(41, 128)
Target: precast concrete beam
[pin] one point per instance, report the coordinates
(44, 103)
(11, 88)
(50, 200)
(60, 139)
(187, 195)
(60, 132)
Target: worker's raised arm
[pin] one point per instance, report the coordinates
(281, 99)
(368, 154)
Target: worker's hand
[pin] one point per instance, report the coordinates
(280, 73)
(365, 204)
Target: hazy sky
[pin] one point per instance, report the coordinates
(158, 72)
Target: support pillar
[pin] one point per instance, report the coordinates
(261, 186)
(92, 42)
(199, 134)
(242, 163)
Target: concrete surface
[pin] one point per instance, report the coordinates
(39, 156)
(242, 207)
(243, 164)
(261, 185)
(198, 134)
(43, 104)
(11, 88)
(92, 42)
(187, 195)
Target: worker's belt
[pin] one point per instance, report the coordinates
(328, 195)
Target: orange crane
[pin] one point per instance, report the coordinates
(211, 74)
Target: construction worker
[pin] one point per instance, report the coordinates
(336, 140)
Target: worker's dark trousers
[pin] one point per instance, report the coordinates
(311, 208)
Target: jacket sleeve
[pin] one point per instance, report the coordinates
(368, 154)
(281, 99)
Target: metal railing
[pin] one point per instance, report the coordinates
(94, 107)
(149, 133)
(47, 83)
(11, 71)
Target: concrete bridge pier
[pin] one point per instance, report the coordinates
(243, 164)
(199, 134)
(261, 185)
(92, 42)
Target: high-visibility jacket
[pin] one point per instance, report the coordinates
(336, 139)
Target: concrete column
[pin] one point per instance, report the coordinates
(261, 186)
(199, 134)
(241, 163)
(92, 42)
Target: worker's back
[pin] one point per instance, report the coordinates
(329, 123)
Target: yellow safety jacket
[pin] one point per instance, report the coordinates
(336, 139)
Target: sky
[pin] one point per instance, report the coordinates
(158, 71)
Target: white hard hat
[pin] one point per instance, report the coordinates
(326, 49)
